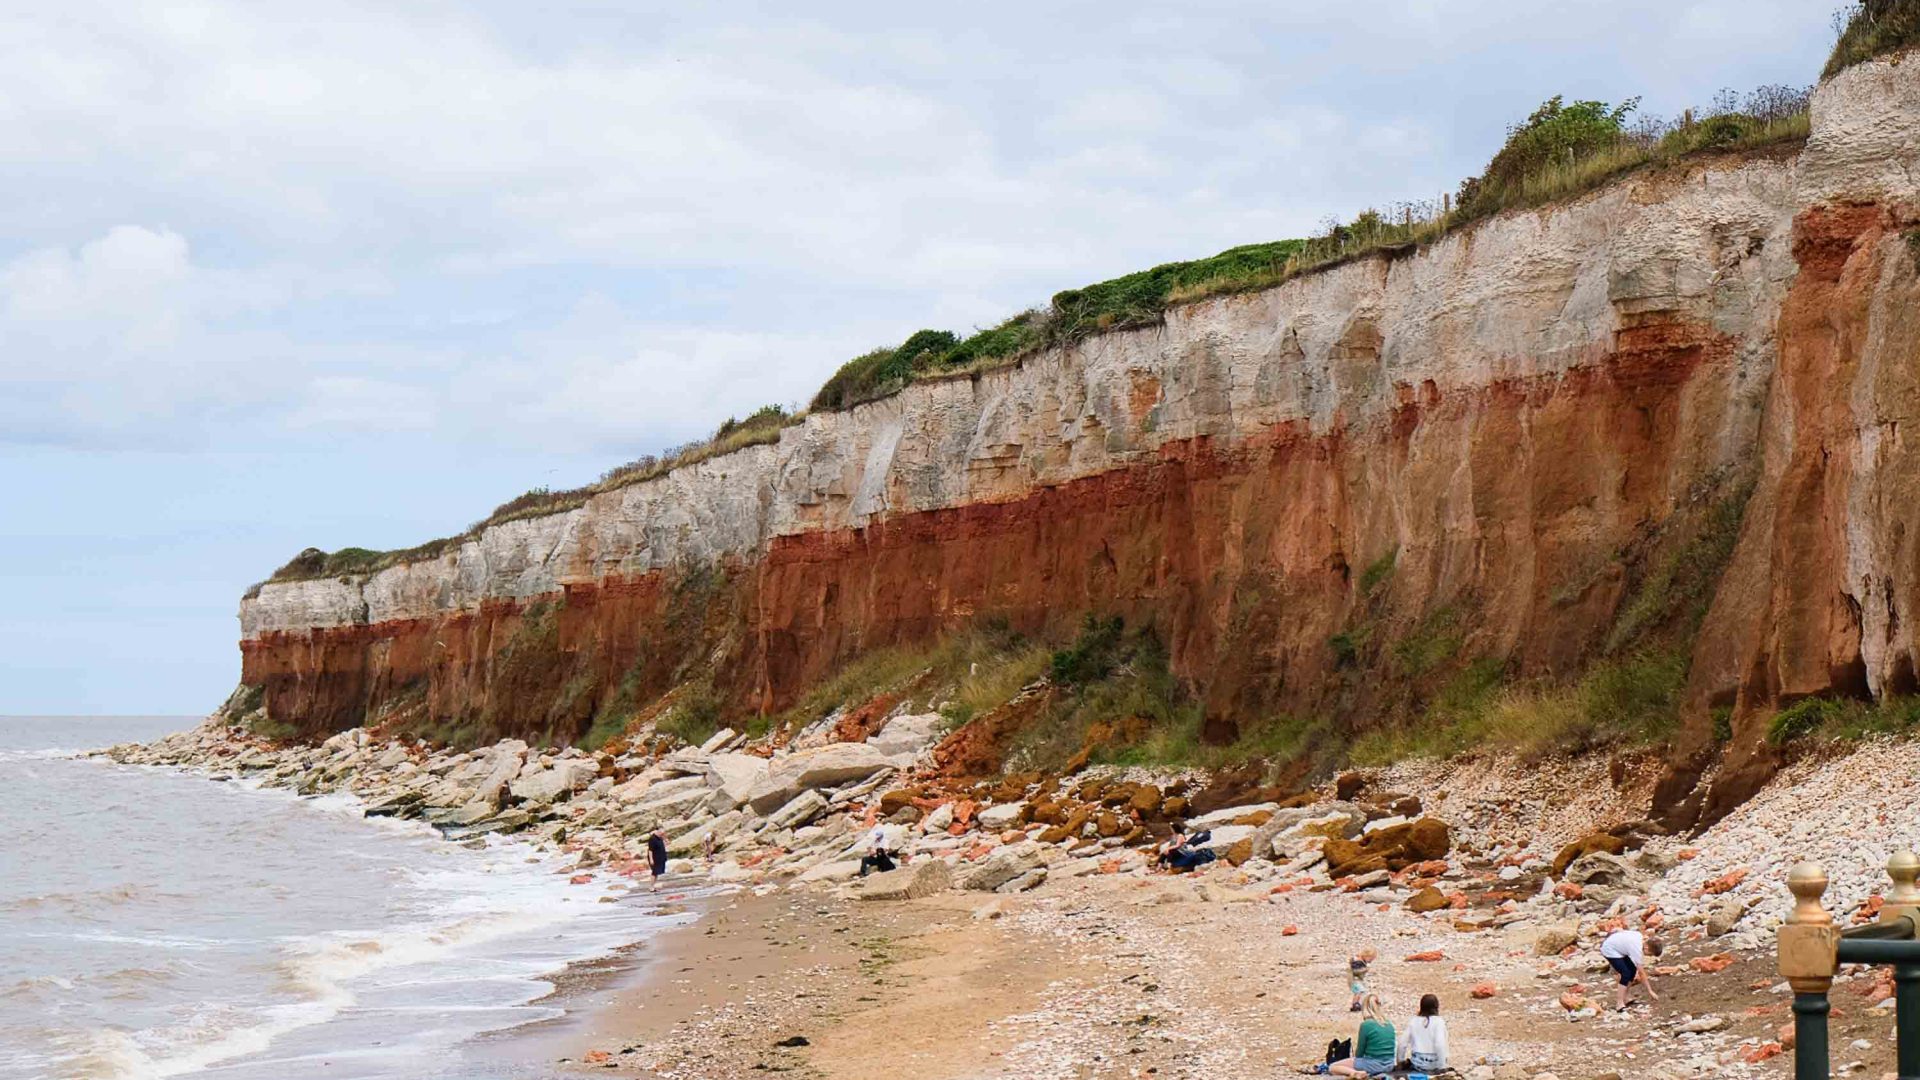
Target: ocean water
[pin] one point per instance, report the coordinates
(158, 924)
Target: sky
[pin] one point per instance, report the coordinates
(279, 275)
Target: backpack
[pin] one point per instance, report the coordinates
(1339, 1050)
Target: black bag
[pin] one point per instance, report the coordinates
(1339, 1050)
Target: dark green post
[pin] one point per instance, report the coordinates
(1906, 1022)
(1810, 1036)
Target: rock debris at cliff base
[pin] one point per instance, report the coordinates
(1449, 872)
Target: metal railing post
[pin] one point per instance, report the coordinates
(1903, 901)
(1809, 957)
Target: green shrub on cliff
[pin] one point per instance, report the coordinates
(1628, 700)
(693, 717)
(1844, 719)
(1873, 28)
(1556, 135)
(882, 371)
(1133, 300)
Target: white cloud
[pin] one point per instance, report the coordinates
(266, 220)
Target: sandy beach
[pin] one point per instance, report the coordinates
(1106, 977)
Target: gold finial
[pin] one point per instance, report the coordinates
(1809, 942)
(1904, 898)
(1808, 882)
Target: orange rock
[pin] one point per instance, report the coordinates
(1763, 1052)
(580, 879)
(1289, 930)
(1786, 1036)
(597, 1057)
(1483, 991)
(1687, 854)
(1725, 882)
(1568, 890)
(1573, 1001)
(1709, 965)
(1870, 910)
(1428, 957)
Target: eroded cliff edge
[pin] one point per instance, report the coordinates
(1528, 424)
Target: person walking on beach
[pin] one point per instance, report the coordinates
(1423, 1046)
(1625, 951)
(657, 856)
(1357, 977)
(1373, 1047)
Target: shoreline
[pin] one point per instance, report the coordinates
(574, 986)
(1008, 946)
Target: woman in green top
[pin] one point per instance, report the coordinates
(1373, 1047)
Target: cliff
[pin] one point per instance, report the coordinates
(1517, 438)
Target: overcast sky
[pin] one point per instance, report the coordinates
(276, 275)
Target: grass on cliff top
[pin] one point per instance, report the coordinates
(761, 427)
(1134, 300)
(1872, 28)
(1562, 150)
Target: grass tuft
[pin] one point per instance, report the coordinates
(1627, 700)
(1843, 719)
(1872, 28)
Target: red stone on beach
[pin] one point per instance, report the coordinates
(1483, 991)
(1724, 883)
(1429, 957)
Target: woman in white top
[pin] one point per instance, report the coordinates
(1423, 1042)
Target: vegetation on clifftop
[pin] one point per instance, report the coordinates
(764, 425)
(1871, 28)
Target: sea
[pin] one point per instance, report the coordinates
(155, 923)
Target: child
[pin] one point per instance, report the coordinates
(1357, 977)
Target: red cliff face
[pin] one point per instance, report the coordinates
(1503, 442)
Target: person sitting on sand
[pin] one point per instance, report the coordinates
(1423, 1046)
(1373, 1047)
(1183, 852)
(1357, 976)
(1625, 951)
(878, 858)
(657, 856)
